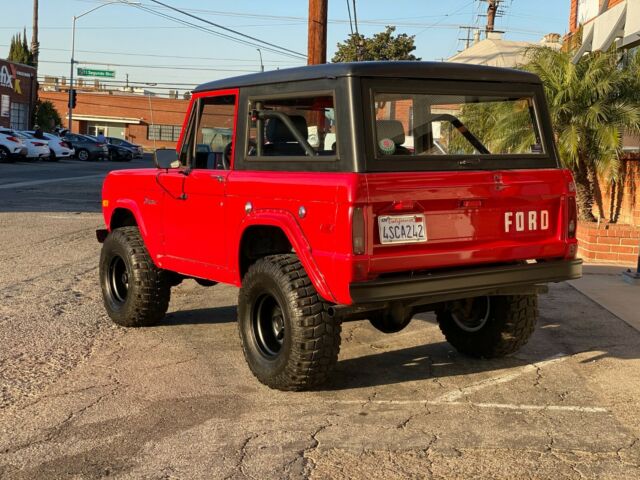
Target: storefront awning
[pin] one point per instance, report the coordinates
(96, 118)
(619, 24)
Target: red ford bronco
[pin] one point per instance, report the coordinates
(339, 192)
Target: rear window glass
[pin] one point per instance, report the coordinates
(292, 127)
(425, 125)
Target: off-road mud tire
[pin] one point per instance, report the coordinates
(148, 292)
(511, 322)
(311, 338)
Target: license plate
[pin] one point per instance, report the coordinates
(402, 229)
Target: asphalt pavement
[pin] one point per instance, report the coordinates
(82, 398)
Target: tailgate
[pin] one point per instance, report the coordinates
(468, 218)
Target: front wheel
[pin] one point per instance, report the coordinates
(489, 327)
(135, 292)
(288, 339)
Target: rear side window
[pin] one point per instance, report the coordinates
(301, 126)
(423, 125)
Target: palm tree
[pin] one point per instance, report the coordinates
(592, 103)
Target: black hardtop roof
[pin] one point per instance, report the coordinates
(406, 69)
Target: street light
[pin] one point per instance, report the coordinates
(261, 64)
(73, 48)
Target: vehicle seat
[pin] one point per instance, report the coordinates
(281, 140)
(394, 130)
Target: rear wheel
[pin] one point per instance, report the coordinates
(5, 156)
(135, 292)
(83, 155)
(288, 339)
(489, 327)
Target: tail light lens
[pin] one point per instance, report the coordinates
(38, 144)
(358, 231)
(100, 144)
(572, 217)
(14, 139)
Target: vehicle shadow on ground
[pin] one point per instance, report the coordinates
(215, 315)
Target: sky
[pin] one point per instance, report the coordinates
(153, 49)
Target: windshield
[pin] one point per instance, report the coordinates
(425, 125)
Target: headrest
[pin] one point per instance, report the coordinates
(392, 129)
(277, 131)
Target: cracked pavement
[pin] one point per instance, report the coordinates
(81, 398)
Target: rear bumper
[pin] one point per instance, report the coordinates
(436, 287)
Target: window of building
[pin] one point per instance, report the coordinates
(19, 116)
(166, 133)
(586, 10)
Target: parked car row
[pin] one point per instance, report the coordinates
(27, 145)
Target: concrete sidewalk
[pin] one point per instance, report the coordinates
(604, 285)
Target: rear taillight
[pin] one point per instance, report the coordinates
(572, 217)
(64, 145)
(100, 144)
(14, 139)
(358, 231)
(38, 144)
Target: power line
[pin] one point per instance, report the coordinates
(236, 32)
(102, 52)
(350, 21)
(162, 67)
(208, 30)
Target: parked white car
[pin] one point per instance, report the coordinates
(11, 146)
(37, 148)
(59, 148)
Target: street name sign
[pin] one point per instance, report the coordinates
(91, 72)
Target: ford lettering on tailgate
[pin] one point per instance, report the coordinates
(530, 221)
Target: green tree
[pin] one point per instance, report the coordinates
(46, 116)
(592, 103)
(19, 50)
(382, 46)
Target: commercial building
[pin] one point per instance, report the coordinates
(495, 51)
(17, 95)
(146, 120)
(605, 22)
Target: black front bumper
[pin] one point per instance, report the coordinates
(456, 284)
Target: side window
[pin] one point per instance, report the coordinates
(214, 133)
(293, 126)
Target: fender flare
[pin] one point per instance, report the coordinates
(288, 224)
(133, 207)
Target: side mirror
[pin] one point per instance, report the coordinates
(166, 158)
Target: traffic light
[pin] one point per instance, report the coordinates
(73, 98)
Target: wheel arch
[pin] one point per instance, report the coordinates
(126, 213)
(274, 232)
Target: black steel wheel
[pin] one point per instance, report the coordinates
(135, 292)
(489, 327)
(289, 340)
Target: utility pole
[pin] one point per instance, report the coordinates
(317, 43)
(492, 10)
(35, 45)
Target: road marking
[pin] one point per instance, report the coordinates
(490, 382)
(51, 180)
(452, 398)
(510, 406)
(498, 406)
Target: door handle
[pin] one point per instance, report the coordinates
(220, 178)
